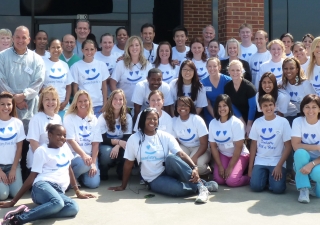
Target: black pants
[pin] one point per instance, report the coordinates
(23, 163)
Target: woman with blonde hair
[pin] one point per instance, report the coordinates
(48, 109)
(133, 68)
(274, 65)
(313, 70)
(233, 52)
(5, 39)
(115, 127)
(83, 137)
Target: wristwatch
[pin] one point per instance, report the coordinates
(193, 167)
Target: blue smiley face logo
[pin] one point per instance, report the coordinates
(84, 131)
(92, 71)
(164, 74)
(313, 136)
(200, 71)
(135, 73)
(188, 139)
(224, 134)
(264, 130)
(114, 136)
(57, 73)
(7, 132)
(316, 85)
(150, 151)
(60, 158)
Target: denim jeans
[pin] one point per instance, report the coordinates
(96, 110)
(302, 158)
(53, 203)
(263, 174)
(81, 171)
(11, 189)
(105, 161)
(174, 181)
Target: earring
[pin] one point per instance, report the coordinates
(297, 80)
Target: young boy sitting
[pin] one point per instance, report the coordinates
(270, 147)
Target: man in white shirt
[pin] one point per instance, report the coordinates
(247, 47)
(150, 48)
(82, 31)
(179, 52)
(208, 34)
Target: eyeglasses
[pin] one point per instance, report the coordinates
(149, 109)
(187, 71)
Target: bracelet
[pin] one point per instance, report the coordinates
(313, 163)
(193, 167)
(13, 201)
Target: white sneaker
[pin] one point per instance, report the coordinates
(212, 186)
(304, 195)
(203, 194)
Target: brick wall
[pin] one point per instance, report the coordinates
(232, 13)
(196, 15)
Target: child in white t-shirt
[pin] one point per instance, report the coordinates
(50, 176)
(11, 137)
(226, 137)
(270, 147)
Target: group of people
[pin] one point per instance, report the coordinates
(73, 112)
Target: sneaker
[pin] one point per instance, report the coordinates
(11, 221)
(142, 182)
(21, 209)
(212, 186)
(304, 195)
(203, 194)
(312, 191)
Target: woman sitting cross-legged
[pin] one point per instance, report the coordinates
(169, 174)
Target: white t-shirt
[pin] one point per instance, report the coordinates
(201, 69)
(270, 66)
(45, 56)
(37, 131)
(165, 123)
(57, 75)
(117, 51)
(151, 55)
(309, 133)
(190, 131)
(305, 66)
(221, 53)
(110, 60)
(270, 137)
(118, 133)
(52, 164)
(200, 102)
(315, 81)
(151, 153)
(11, 132)
(180, 56)
(142, 91)
(282, 102)
(248, 52)
(297, 93)
(256, 61)
(89, 77)
(289, 55)
(83, 131)
(168, 73)
(128, 78)
(224, 134)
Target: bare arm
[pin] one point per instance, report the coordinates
(297, 144)
(127, 167)
(75, 88)
(104, 92)
(253, 152)
(137, 109)
(195, 175)
(86, 158)
(12, 173)
(198, 110)
(167, 109)
(113, 84)
(34, 145)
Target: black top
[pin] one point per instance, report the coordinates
(240, 98)
(247, 75)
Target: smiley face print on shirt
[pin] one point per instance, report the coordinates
(7, 133)
(186, 135)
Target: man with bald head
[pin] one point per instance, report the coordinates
(68, 45)
(209, 34)
(22, 73)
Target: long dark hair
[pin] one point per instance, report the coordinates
(274, 92)
(13, 112)
(203, 55)
(226, 99)
(196, 85)
(300, 74)
(157, 62)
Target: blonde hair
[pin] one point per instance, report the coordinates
(265, 34)
(127, 56)
(233, 40)
(312, 63)
(279, 42)
(245, 25)
(109, 115)
(236, 62)
(5, 32)
(49, 90)
(214, 59)
(73, 107)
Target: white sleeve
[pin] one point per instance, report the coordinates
(69, 126)
(117, 71)
(286, 130)
(167, 94)
(138, 93)
(173, 144)
(21, 134)
(212, 128)
(39, 159)
(75, 73)
(96, 131)
(200, 125)
(102, 124)
(173, 90)
(34, 130)
(129, 125)
(69, 78)
(254, 135)
(283, 102)
(308, 88)
(202, 98)
(104, 70)
(135, 129)
(222, 52)
(238, 131)
(296, 130)
(131, 145)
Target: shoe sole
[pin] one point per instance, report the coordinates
(20, 209)
(200, 201)
(303, 201)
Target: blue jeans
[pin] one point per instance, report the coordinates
(174, 181)
(302, 158)
(96, 110)
(80, 169)
(105, 161)
(52, 203)
(263, 174)
(11, 189)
